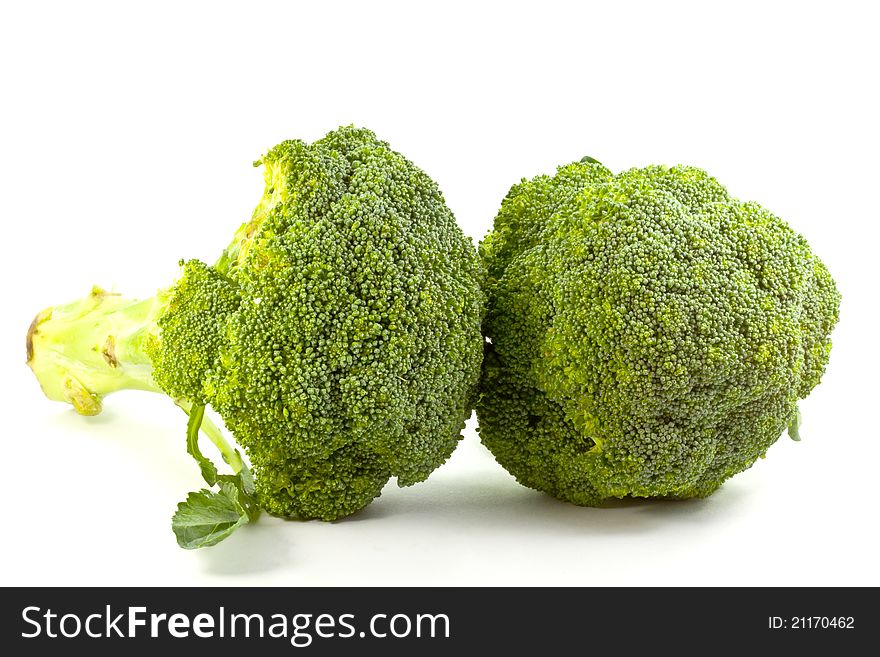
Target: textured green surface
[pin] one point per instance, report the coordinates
(339, 334)
(650, 334)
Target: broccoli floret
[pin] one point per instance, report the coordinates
(338, 336)
(649, 334)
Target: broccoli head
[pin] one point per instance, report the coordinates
(338, 335)
(649, 334)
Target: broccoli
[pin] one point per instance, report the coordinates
(338, 337)
(649, 335)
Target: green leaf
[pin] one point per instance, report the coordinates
(247, 501)
(209, 470)
(247, 478)
(208, 517)
(586, 159)
(795, 425)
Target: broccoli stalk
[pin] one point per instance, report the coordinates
(84, 350)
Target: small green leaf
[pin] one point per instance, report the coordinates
(209, 470)
(246, 476)
(586, 159)
(795, 425)
(208, 517)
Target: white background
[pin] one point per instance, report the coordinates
(126, 143)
